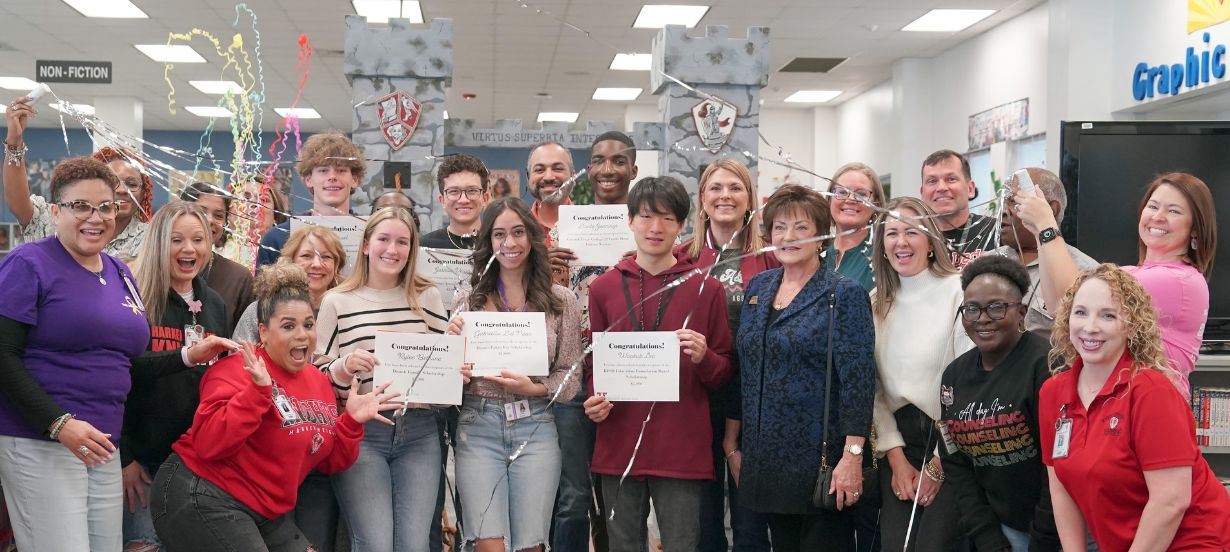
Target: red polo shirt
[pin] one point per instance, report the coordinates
(1134, 424)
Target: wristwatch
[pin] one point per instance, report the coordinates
(1048, 235)
(855, 449)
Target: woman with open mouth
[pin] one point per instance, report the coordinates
(389, 495)
(915, 305)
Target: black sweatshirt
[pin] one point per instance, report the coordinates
(997, 473)
(165, 393)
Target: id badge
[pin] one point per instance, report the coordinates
(1063, 437)
(285, 410)
(193, 334)
(949, 444)
(517, 410)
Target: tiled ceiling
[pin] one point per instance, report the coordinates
(505, 53)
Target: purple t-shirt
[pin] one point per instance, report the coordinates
(83, 335)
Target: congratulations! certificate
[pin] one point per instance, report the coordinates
(637, 366)
(448, 268)
(424, 368)
(515, 341)
(597, 234)
(349, 230)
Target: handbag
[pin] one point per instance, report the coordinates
(820, 496)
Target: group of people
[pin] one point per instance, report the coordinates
(894, 374)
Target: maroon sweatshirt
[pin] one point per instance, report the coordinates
(677, 439)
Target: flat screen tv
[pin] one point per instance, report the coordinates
(1105, 167)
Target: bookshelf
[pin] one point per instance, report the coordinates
(1213, 370)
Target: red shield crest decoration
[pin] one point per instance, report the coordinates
(715, 121)
(399, 115)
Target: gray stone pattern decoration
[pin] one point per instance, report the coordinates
(380, 60)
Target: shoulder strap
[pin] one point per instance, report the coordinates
(828, 375)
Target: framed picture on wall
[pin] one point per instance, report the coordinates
(504, 182)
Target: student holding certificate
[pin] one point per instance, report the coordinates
(389, 495)
(674, 459)
(499, 413)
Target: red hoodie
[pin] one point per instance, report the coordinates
(677, 439)
(239, 442)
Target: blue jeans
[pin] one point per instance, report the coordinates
(389, 495)
(509, 500)
(572, 509)
(750, 528)
(139, 525)
(1018, 540)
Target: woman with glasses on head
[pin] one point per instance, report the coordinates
(854, 186)
(319, 252)
(71, 324)
(989, 399)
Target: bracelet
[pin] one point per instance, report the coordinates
(15, 155)
(58, 425)
(933, 471)
(732, 453)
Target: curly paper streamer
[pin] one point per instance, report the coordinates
(302, 69)
(258, 97)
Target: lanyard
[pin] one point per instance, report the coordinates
(499, 284)
(636, 320)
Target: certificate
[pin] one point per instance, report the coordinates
(637, 366)
(449, 268)
(515, 341)
(597, 234)
(424, 368)
(349, 230)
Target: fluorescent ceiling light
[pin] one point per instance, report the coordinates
(632, 62)
(209, 111)
(617, 94)
(380, 11)
(949, 21)
(115, 9)
(175, 53)
(79, 108)
(813, 96)
(299, 112)
(217, 87)
(656, 16)
(17, 83)
(557, 116)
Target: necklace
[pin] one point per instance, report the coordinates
(99, 273)
(456, 245)
(785, 301)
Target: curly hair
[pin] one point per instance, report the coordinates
(75, 169)
(458, 163)
(1144, 338)
(278, 283)
(998, 265)
(331, 148)
(109, 154)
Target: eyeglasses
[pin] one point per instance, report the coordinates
(453, 194)
(82, 210)
(995, 311)
(843, 193)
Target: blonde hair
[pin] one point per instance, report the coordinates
(752, 238)
(877, 187)
(413, 282)
(887, 279)
(153, 264)
(332, 244)
(1144, 337)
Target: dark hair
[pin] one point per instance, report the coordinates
(75, 169)
(945, 154)
(193, 192)
(540, 145)
(281, 282)
(461, 162)
(1204, 217)
(658, 193)
(538, 268)
(998, 265)
(618, 137)
(791, 197)
(108, 154)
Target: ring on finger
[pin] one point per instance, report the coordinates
(83, 450)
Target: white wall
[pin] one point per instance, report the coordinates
(864, 129)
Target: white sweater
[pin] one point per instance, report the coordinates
(914, 343)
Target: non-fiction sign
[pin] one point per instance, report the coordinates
(87, 72)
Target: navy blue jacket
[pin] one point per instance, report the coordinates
(781, 371)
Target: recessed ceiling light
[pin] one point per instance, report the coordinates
(813, 96)
(617, 94)
(557, 116)
(115, 9)
(949, 21)
(209, 111)
(656, 16)
(297, 112)
(17, 83)
(174, 53)
(632, 62)
(217, 87)
(79, 108)
(380, 11)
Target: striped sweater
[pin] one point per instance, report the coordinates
(348, 321)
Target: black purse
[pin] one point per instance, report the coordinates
(820, 496)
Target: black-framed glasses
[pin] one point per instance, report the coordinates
(453, 194)
(843, 193)
(82, 210)
(995, 311)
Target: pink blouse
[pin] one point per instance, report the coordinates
(1181, 298)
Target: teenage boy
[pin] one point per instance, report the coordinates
(674, 457)
(462, 180)
(331, 167)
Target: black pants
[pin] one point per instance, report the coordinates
(191, 514)
(936, 527)
(819, 532)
